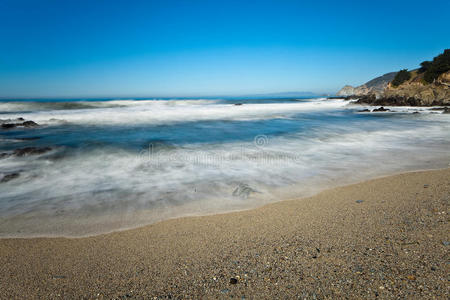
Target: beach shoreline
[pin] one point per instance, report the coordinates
(385, 237)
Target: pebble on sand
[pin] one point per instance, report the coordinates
(233, 280)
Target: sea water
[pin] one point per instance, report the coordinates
(118, 164)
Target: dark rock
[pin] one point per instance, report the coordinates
(30, 124)
(20, 119)
(425, 186)
(359, 201)
(446, 110)
(238, 104)
(31, 151)
(9, 177)
(394, 101)
(416, 112)
(9, 125)
(243, 191)
(233, 281)
(364, 110)
(380, 109)
(32, 138)
(27, 124)
(352, 97)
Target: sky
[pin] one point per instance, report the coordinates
(94, 48)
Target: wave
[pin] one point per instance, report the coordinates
(160, 112)
(134, 188)
(31, 106)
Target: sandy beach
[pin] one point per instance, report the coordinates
(385, 238)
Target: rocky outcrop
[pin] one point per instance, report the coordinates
(414, 92)
(436, 93)
(347, 90)
(375, 86)
(427, 86)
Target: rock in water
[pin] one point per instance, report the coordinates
(380, 109)
(30, 124)
(26, 124)
(243, 191)
(9, 177)
(31, 151)
(8, 125)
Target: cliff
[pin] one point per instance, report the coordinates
(427, 86)
(437, 92)
(413, 92)
(375, 86)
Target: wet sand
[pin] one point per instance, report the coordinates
(384, 238)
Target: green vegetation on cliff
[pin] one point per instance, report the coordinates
(439, 65)
(400, 77)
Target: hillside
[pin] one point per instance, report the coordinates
(376, 85)
(426, 86)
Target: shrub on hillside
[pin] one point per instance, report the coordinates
(439, 65)
(402, 76)
(424, 66)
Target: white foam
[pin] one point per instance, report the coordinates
(200, 179)
(105, 189)
(162, 112)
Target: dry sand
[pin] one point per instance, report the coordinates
(392, 244)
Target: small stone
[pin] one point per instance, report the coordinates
(59, 277)
(224, 291)
(233, 280)
(411, 277)
(359, 201)
(445, 243)
(425, 186)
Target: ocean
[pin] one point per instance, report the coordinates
(119, 164)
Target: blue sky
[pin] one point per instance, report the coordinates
(191, 48)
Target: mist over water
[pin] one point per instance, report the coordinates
(124, 163)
